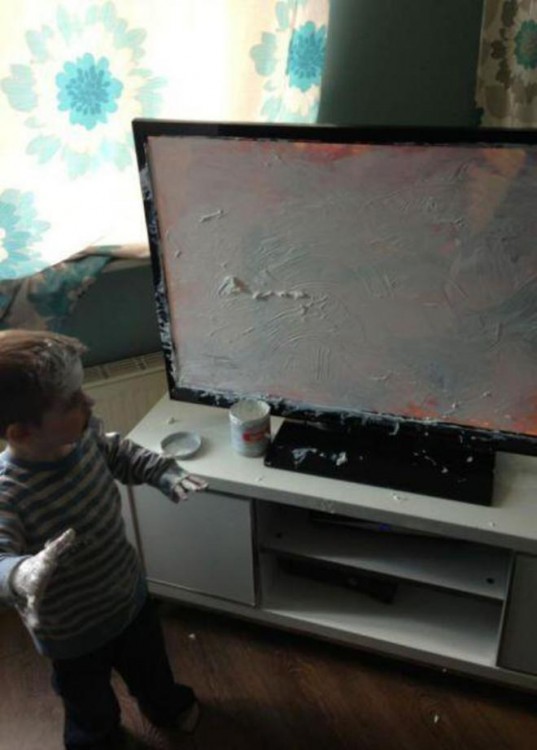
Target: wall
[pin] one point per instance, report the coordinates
(116, 317)
(407, 62)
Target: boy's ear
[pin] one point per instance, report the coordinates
(17, 431)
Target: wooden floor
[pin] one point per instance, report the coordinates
(262, 689)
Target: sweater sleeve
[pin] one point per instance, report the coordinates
(129, 463)
(12, 547)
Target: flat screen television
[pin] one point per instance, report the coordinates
(377, 286)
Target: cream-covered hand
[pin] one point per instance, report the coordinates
(31, 577)
(176, 483)
(187, 483)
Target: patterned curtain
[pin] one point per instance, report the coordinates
(73, 75)
(507, 71)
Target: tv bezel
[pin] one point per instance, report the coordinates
(144, 129)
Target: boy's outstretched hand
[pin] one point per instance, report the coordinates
(187, 483)
(30, 578)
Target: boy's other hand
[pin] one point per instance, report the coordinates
(188, 483)
(30, 578)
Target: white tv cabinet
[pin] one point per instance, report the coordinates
(466, 575)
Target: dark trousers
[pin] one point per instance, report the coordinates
(138, 654)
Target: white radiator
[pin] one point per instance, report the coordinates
(125, 390)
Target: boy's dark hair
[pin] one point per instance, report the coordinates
(32, 366)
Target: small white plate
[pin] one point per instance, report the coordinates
(181, 444)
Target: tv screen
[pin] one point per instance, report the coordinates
(350, 276)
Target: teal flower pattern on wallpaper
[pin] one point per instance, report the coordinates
(526, 45)
(300, 49)
(506, 85)
(88, 91)
(306, 56)
(56, 290)
(81, 84)
(48, 297)
(20, 230)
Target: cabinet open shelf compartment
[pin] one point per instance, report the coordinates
(477, 570)
(420, 620)
(449, 593)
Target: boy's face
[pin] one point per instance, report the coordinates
(64, 422)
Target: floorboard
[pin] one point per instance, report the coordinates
(263, 689)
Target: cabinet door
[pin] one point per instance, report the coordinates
(518, 648)
(203, 544)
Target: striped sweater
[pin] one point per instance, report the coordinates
(98, 587)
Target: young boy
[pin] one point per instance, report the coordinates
(65, 562)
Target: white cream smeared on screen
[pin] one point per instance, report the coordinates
(400, 282)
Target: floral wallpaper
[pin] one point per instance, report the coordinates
(507, 71)
(291, 58)
(20, 231)
(72, 78)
